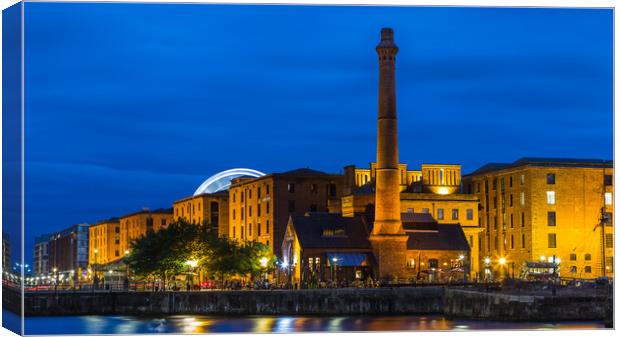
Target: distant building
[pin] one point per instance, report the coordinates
(206, 208)
(539, 208)
(137, 224)
(68, 250)
(259, 208)
(6, 252)
(105, 242)
(40, 262)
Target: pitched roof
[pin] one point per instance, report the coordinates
(545, 162)
(313, 231)
(444, 237)
(303, 171)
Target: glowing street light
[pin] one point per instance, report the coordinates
(263, 262)
(542, 258)
(487, 260)
(191, 263)
(502, 261)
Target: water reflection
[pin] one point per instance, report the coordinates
(195, 324)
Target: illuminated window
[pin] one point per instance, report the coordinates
(550, 197)
(291, 188)
(609, 240)
(609, 264)
(439, 213)
(425, 210)
(522, 179)
(522, 198)
(608, 198)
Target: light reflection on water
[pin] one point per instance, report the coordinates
(277, 324)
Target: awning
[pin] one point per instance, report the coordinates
(346, 259)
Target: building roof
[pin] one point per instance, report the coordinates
(218, 194)
(147, 211)
(320, 230)
(545, 162)
(443, 237)
(296, 173)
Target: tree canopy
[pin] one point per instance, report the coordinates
(165, 253)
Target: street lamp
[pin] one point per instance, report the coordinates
(502, 263)
(335, 260)
(190, 265)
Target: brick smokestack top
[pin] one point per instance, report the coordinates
(387, 203)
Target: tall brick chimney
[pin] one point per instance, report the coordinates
(388, 238)
(387, 202)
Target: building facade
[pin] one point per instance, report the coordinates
(105, 242)
(68, 250)
(259, 208)
(40, 262)
(207, 208)
(538, 209)
(135, 225)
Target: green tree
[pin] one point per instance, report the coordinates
(164, 253)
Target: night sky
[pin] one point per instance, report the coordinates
(134, 105)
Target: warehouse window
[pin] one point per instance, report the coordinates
(551, 240)
(609, 241)
(588, 257)
(470, 214)
(608, 180)
(550, 178)
(573, 257)
(439, 213)
(588, 269)
(608, 198)
(455, 214)
(551, 198)
(550, 218)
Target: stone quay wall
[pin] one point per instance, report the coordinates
(461, 303)
(350, 301)
(451, 302)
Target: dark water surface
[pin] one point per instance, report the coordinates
(219, 324)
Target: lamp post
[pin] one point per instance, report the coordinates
(55, 270)
(190, 265)
(487, 268)
(335, 261)
(263, 263)
(502, 263)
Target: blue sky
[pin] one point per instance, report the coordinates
(134, 105)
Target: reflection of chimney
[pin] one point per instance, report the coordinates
(387, 203)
